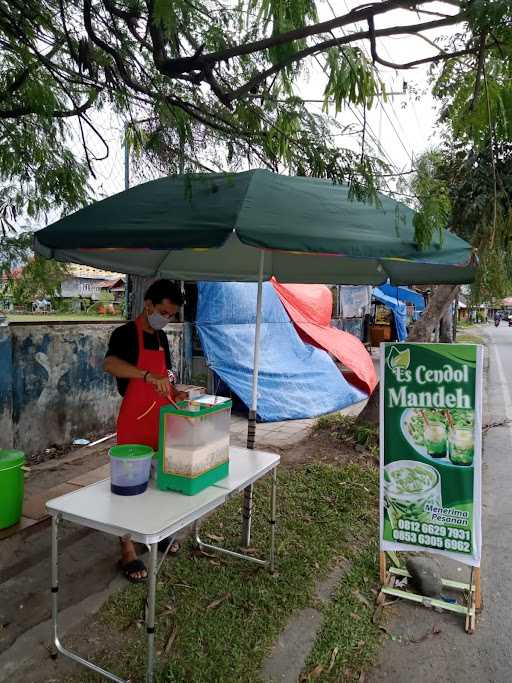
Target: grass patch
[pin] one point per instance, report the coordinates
(470, 338)
(347, 429)
(223, 616)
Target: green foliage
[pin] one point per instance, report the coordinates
(433, 198)
(28, 277)
(455, 190)
(208, 85)
(38, 170)
(466, 185)
(14, 252)
(205, 85)
(106, 297)
(352, 79)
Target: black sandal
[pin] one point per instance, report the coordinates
(131, 568)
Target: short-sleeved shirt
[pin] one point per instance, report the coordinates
(124, 344)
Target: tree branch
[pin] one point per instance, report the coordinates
(174, 67)
(15, 85)
(262, 76)
(479, 72)
(442, 56)
(18, 112)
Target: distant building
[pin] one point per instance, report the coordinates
(89, 283)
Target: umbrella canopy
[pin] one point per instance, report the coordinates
(214, 226)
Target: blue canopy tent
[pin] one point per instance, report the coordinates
(407, 295)
(398, 309)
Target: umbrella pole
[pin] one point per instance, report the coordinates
(251, 429)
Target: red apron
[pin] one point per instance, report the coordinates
(139, 415)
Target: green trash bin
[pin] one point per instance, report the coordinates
(11, 487)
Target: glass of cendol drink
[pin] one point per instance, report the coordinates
(435, 436)
(461, 445)
(408, 487)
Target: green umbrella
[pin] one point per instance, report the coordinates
(309, 230)
(248, 227)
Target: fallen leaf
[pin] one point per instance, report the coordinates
(316, 672)
(362, 599)
(213, 537)
(204, 553)
(215, 563)
(334, 654)
(217, 602)
(317, 566)
(170, 641)
(435, 631)
(355, 616)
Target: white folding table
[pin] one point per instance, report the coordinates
(149, 518)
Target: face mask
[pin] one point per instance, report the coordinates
(157, 321)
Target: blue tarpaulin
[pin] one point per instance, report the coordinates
(296, 380)
(398, 309)
(404, 294)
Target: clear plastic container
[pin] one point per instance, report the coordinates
(130, 468)
(195, 439)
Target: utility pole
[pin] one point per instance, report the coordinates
(126, 187)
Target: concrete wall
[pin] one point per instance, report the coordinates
(6, 424)
(52, 385)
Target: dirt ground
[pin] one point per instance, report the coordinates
(320, 447)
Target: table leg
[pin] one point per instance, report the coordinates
(150, 615)
(247, 516)
(273, 507)
(56, 645)
(55, 587)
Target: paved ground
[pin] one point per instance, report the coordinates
(452, 656)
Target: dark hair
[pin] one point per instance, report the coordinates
(164, 289)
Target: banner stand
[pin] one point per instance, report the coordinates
(388, 576)
(431, 468)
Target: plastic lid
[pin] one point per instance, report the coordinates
(193, 408)
(11, 458)
(131, 450)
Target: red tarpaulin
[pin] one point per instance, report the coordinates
(310, 308)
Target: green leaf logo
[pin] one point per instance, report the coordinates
(399, 359)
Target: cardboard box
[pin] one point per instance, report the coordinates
(191, 390)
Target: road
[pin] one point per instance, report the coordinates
(452, 656)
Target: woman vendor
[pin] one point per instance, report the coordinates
(138, 357)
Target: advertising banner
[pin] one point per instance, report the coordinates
(430, 449)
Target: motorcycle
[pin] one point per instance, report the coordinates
(497, 322)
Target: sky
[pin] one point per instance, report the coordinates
(401, 128)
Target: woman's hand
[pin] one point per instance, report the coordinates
(160, 382)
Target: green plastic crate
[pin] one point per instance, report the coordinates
(193, 446)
